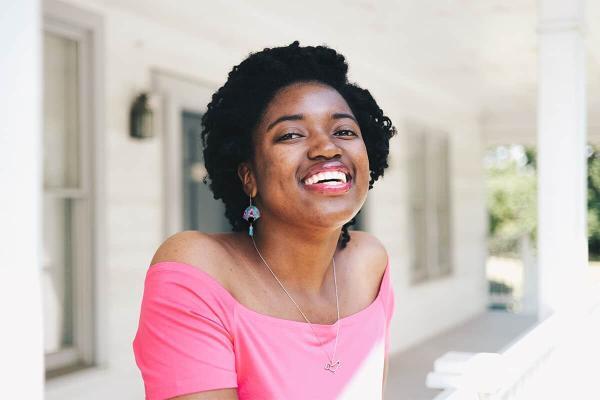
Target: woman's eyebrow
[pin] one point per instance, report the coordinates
(343, 115)
(294, 117)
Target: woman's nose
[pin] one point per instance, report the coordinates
(323, 144)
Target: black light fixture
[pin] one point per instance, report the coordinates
(141, 116)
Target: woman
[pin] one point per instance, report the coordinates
(290, 304)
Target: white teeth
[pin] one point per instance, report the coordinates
(325, 175)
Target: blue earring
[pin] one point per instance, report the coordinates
(251, 214)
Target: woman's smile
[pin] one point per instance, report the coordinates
(329, 178)
(329, 188)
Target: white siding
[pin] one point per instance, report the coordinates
(427, 309)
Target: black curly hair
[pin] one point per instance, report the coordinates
(238, 106)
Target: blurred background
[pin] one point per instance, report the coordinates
(490, 209)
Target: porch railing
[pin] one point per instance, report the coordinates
(557, 359)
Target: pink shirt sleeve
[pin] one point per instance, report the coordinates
(183, 343)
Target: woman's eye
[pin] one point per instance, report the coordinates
(346, 132)
(288, 135)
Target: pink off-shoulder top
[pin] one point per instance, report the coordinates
(193, 335)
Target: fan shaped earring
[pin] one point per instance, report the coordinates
(251, 214)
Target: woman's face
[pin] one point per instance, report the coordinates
(307, 129)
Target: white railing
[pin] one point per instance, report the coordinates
(557, 359)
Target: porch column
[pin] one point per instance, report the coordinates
(21, 337)
(561, 134)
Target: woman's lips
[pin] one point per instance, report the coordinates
(329, 187)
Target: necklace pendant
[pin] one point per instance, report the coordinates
(332, 366)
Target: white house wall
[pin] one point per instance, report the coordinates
(428, 308)
(134, 179)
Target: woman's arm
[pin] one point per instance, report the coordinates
(385, 373)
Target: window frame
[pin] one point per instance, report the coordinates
(425, 264)
(89, 277)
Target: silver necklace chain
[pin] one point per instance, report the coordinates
(331, 365)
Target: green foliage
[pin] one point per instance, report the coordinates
(512, 198)
(499, 287)
(593, 202)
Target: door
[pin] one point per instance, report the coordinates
(189, 202)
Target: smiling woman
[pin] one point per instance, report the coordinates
(290, 304)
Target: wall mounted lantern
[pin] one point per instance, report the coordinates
(141, 116)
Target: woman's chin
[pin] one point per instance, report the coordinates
(330, 218)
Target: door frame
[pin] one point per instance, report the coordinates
(177, 92)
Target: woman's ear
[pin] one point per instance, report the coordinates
(247, 178)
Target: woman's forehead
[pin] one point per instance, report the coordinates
(309, 98)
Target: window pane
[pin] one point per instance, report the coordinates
(417, 167)
(438, 162)
(61, 171)
(444, 240)
(442, 206)
(418, 243)
(61, 112)
(57, 274)
(200, 210)
(417, 186)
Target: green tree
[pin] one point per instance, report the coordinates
(593, 202)
(511, 198)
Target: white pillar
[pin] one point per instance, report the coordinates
(530, 295)
(562, 209)
(21, 345)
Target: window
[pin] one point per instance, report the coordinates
(200, 209)
(69, 228)
(429, 200)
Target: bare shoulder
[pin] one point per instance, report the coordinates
(199, 249)
(366, 246)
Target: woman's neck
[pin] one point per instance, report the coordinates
(300, 257)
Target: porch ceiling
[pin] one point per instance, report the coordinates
(482, 54)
